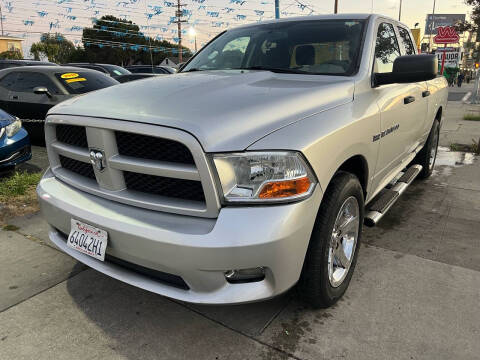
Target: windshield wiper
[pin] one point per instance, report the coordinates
(192, 69)
(275, 70)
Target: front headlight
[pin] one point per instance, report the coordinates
(270, 176)
(13, 128)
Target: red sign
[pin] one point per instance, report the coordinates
(446, 35)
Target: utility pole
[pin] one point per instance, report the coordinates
(1, 18)
(179, 21)
(400, 11)
(335, 9)
(433, 27)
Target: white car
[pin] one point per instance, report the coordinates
(252, 169)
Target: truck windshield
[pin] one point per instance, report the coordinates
(326, 47)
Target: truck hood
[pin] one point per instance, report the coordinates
(224, 110)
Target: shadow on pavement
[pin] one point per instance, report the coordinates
(141, 323)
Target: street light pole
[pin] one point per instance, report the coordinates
(335, 9)
(400, 11)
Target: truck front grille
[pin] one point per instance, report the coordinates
(77, 167)
(169, 187)
(152, 148)
(72, 135)
(143, 165)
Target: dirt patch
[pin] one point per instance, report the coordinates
(17, 195)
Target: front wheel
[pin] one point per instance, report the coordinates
(428, 155)
(334, 243)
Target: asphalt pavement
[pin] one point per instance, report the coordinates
(415, 294)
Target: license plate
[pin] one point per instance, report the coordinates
(87, 239)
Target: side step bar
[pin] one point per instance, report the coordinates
(385, 201)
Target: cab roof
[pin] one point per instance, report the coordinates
(352, 16)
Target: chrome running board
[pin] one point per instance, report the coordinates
(386, 199)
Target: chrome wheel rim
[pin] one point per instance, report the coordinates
(343, 241)
(433, 151)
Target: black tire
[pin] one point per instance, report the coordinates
(423, 157)
(314, 286)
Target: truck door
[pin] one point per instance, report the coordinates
(402, 107)
(425, 120)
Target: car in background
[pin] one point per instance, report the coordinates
(117, 72)
(130, 77)
(14, 142)
(5, 64)
(29, 92)
(108, 69)
(149, 69)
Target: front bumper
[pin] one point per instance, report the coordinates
(15, 150)
(199, 250)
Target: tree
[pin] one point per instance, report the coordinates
(474, 24)
(471, 26)
(11, 55)
(53, 46)
(118, 41)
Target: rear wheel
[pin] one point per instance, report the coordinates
(427, 156)
(334, 244)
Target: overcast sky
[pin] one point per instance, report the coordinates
(29, 18)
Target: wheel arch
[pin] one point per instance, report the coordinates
(439, 114)
(358, 166)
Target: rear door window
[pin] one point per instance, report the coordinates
(9, 80)
(26, 81)
(386, 48)
(82, 82)
(407, 41)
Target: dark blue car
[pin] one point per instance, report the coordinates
(14, 142)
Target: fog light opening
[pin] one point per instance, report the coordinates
(245, 275)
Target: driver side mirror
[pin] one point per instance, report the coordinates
(408, 69)
(42, 90)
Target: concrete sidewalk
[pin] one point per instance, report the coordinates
(455, 129)
(414, 295)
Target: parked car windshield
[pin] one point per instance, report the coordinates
(312, 47)
(115, 70)
(82, 82)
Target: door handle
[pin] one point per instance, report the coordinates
(408, 99)
(425, 93)
(14, 97)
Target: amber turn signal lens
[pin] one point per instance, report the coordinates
(281, 189)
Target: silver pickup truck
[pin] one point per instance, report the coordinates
(252, 169)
